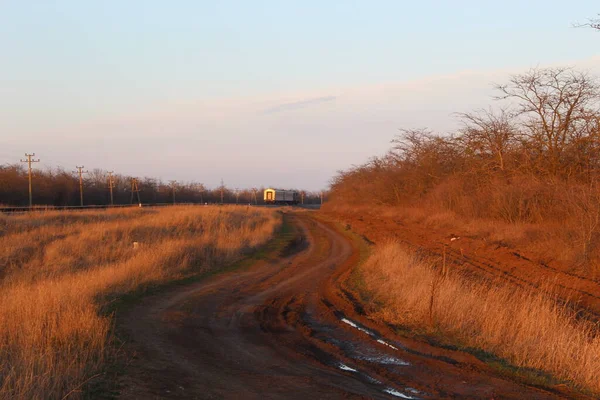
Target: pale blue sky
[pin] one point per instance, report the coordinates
(259, 92)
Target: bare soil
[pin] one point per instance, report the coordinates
(285, 328)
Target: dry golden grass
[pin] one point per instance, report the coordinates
(58, 268)
(528, 329)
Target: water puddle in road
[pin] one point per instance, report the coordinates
(386, 344)
(360, 351)
(365, 353)
(385, 360)
(372, 380)
(368, 332)
(388, 390)
(344, 367)
(353, 349)
(355, 325)
(374, 356)
(396, 393)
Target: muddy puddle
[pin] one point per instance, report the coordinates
(363, 352)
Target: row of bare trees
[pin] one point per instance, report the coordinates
(535, 158)
(547, 128)
(544, 135)
(58, 187)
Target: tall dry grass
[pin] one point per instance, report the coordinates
(529, 329)
(57, 270)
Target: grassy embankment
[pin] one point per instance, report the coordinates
(526, 328)
(58, 271)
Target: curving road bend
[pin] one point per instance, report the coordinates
(286, 329)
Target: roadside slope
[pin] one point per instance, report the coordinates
(474, 254)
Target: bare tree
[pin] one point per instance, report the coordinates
(423, 147)
(200, 189)
(488, 135)
(554, 106)
(593, 23)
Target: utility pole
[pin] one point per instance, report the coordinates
(29, 161)
(135, 189)
(111, 185)
(237, 195)
(173, 184)
(80, 171)
(321, 197)
(302, 197)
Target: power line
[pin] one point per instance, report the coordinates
(29, 161)
(80, 171)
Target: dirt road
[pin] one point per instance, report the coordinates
(285, 329)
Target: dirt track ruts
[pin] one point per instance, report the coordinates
(285, 329)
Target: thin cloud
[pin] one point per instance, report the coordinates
(299, 104)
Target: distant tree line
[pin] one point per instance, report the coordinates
(57, 187)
